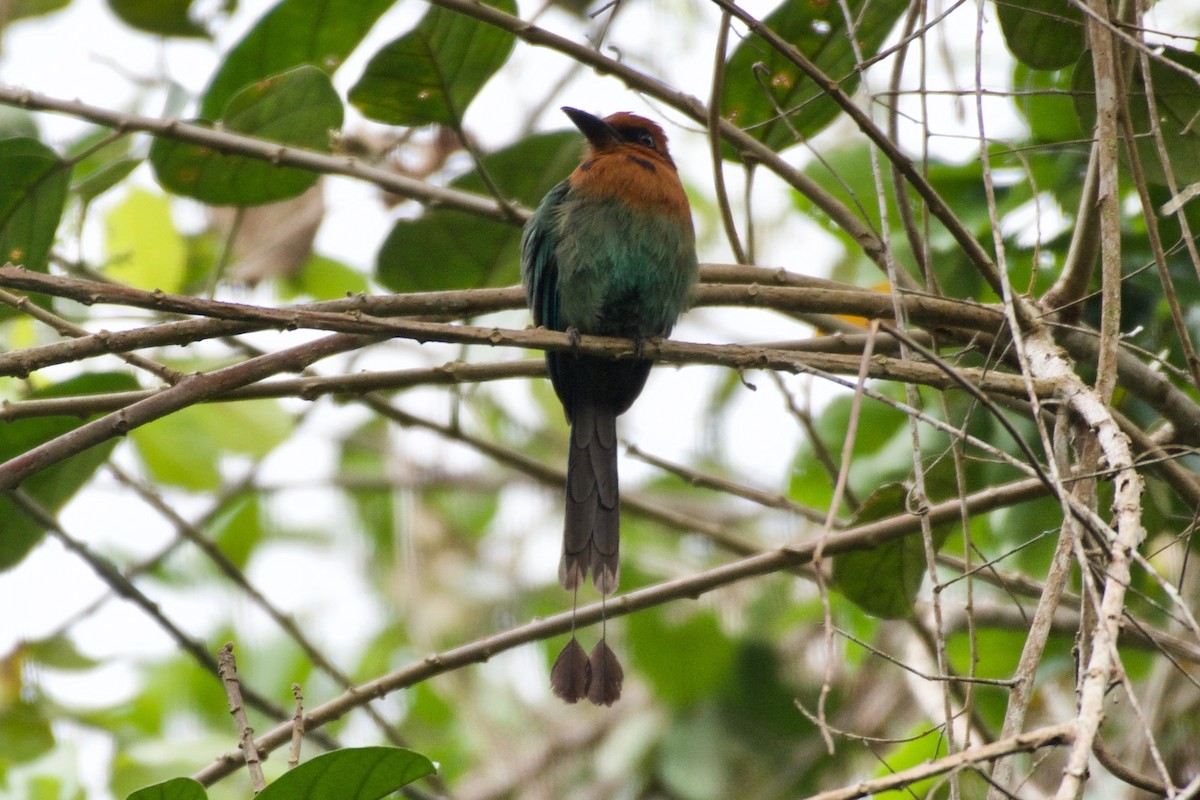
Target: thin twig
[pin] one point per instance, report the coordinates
(1051, 736)
(225, 141)
(839, 487)
(714, 142)
(227, 669)
(297, 727)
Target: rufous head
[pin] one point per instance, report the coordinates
(620, 130)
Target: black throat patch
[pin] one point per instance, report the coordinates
(643, 163)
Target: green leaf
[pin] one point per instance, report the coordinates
(685, 662)
(695, 760)
(1044, 99)
(359, 773)
(1177, 100)
(53, 486)
(24, 9)
(249, 427)
(756, 700)
(884, 580)
(237, 528)
(24, 733)
(1043, 34)
(33, 191)
(17, 122)
(323, 278)
(101, 162)
(161, 17)
(430, 74)
(184, 448)
(145, 250)
(178, 453)
(293, 33)
(363, 465)
(298, 108)
(444, 249)
(908, 754)
(174, 789)
(759, 80)
(58, 652)
(105, 178)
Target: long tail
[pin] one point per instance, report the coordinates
(591, 532)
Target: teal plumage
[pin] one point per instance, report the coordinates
(610, 251)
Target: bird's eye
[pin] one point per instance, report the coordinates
(644, 138)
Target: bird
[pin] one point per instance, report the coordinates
(610, 251)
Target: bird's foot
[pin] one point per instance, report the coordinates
(574, 336)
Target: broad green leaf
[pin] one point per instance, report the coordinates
(237, 528)
(23, 9)
(1043, 34)
(184, 448)
(363, 466)
(1044, 99)
(359, 773)
(685, 661)
(695, 760)
(755, 700)
(760, 81)
(293, 33)
(995, 654)
(24, 733)
(145, 250)
(178, 453)
(1177, 101)
(174, 789)
(249, 427)
(17, 122)
(430, 74)
(96, 147)
(908, 754)
(53, 486)
(298, 108)
(161, 17)
(322, 278)
(105, 178)
(884, 580)
(881, 452)
(58, 652)
(444, 249)
(33, 190)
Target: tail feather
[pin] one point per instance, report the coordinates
(592, 524)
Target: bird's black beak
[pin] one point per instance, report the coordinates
(598, 132)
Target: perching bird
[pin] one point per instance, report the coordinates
(610, 251)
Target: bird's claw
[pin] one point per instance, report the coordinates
(573, 336)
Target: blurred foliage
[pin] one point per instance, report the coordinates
(52, 487)
(161, 17)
